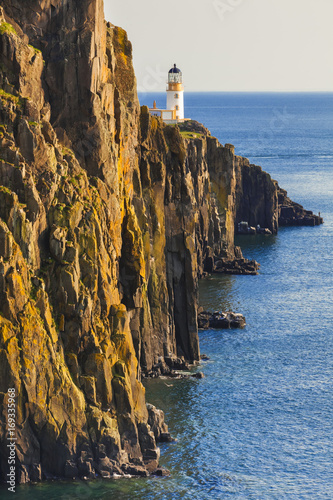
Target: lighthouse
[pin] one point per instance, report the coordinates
(175, 92)
(174, 111)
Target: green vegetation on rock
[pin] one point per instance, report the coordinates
(9, 97)
(37, 51)
(6, 28)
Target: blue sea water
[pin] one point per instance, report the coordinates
(260, 424)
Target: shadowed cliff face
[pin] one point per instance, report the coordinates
(107, 220)
(249, 193)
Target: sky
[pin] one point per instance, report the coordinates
(229, 45)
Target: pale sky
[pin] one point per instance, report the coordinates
(230, 45)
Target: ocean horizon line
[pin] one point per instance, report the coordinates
(243, 92)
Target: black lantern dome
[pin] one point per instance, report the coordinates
(174, 69)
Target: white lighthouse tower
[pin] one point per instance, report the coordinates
(175, 99)
(175, 93)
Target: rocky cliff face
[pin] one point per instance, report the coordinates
(184, 227)
(107, 220)
(68, 147)
(293, 214)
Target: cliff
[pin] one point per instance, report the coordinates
(69, 136)
(107, 220)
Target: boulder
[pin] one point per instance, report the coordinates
(220, 320)
(237, 266)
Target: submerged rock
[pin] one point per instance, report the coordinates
(161, 471)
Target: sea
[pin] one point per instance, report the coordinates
(259, 425)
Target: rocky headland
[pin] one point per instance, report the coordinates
(293, 214)
(108, 218)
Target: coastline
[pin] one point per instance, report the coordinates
(105, 229)
(295, 238)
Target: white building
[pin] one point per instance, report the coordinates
(175, 98)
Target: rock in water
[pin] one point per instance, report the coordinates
(220, 320)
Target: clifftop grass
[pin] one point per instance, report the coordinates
(191, 135)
